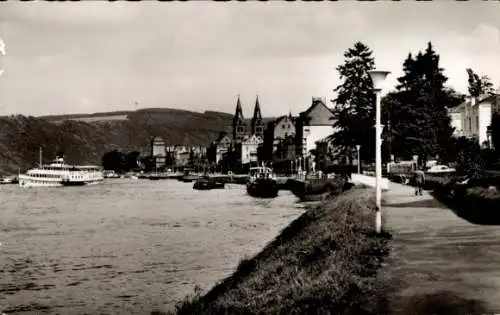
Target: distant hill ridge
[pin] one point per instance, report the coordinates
(128, 112)
(84, 138)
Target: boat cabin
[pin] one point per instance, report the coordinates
(58, 164)
(261, 172)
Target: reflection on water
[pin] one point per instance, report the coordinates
(126, 247)
(441, 264)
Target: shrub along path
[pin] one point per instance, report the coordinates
(439, 263)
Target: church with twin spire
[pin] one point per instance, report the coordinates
(287, 139)
(246, 137)
(241, 130)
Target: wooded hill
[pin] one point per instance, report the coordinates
(84, 138)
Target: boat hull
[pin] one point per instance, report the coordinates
(189, 178)
(76, 183)
(208, 185)
(38, 184)
(265, 188)
(317, 190)
(28, 182)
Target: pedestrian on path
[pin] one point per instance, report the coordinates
(419, 180)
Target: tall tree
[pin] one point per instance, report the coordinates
(131, 160)
(192, 158)
(147, 163)
(418, 109)
(170, 159)
(114, 160)
(478, 85)
(354, 110)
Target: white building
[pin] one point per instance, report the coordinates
(158, 147)
(283, 127)
(158, 151)
(472, 118)
(249, 149)
(315, 124)
(222, 147)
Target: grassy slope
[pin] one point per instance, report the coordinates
(324, 262)
(86, 142)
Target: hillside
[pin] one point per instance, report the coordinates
(84, 138)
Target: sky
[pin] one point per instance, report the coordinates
(90, 56)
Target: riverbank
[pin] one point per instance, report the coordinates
(324, 261)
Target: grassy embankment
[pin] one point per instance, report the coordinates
(324, 262)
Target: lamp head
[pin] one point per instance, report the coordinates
(358, 147)
(378, 77)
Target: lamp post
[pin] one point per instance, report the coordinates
(378, 78)
(2, 52)
(299, 169)
(359, 161)
(488, 135)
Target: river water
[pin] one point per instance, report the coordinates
(126, 246)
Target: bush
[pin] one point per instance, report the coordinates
(479, 205)
(476, 202)
(490, 158)
(484, 193)
(469, 160)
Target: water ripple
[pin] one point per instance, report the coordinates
(126, 247)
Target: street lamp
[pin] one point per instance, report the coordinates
(378, 78)
(359, 161)
(488, 135)
(299, 169)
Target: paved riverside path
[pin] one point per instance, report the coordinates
(439, 263)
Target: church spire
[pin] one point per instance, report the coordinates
(239, 125)
(257, 122)
(256, 112)
(238, 115)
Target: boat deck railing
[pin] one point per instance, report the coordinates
(312, 178)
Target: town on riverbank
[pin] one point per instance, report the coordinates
(455, 142)
(417, 118)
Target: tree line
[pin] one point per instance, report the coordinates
(122, 162)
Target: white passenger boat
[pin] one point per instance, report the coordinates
(58, 173)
